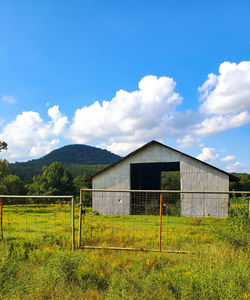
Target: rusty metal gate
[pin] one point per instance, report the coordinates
(154, 220)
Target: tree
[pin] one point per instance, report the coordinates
(55, 180)
(82, 182)
(243, 184)
(14, 185)
(9, 184)
(3, 146)
(4, 168)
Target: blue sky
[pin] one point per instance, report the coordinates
(174, 71)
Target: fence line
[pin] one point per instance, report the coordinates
(154, 221)
(37, 196)
(165, 191)
(104, 226)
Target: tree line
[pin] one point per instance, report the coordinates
(56, 179)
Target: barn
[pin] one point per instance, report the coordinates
(142, 169)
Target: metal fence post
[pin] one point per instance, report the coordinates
(160, 223)
(73, 224)
(80, 221)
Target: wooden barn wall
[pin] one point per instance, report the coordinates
(194, 175)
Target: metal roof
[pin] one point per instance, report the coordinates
(232, 178)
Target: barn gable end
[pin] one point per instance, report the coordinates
(194, 175)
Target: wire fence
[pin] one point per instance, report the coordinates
(170, 221)
(44, 219)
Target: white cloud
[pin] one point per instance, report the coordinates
(229, 92)
(130, 117)
(189, 141)
(226, 104)
(121, 148)
(228, 158)
(58, 120)
(208, 154)
(208, 86)
(217, 124)
(43, 147)
(236, 167)
(30, 136)
(9, 99)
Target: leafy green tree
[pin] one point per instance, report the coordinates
(9, 184)
(55, 180)
(3, 188)
(4, 171)
(4, 168)
(82, 182)
(14, 185)
(3, 146)
(243, 184)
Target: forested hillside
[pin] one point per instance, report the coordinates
(79, 159)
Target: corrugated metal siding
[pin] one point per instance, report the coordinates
(194, 175)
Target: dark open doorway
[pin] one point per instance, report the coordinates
(171, 201)
(148, 176)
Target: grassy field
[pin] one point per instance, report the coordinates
(36, 261)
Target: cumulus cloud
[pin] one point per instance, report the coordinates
(208, 154)
(189, 141)
(208, 86)
(225, 103)
(43, 147)
(228, 92)
(228, 158)
(121, 148)
(236, 167)
(130, 117)
(58, 122)
(9, 99)
(30, 136)
(217, 124)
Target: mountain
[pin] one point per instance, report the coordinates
(79, 154)
(79, 159)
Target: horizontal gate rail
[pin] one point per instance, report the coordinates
(167, 191)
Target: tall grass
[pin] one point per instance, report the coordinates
(235, 228)
(31, 272)
(217, 268)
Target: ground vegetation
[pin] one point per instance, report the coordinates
(215, 268)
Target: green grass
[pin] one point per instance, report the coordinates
(178, 233)
(36, 261)
(37, 222)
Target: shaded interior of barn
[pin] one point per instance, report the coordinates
(152, 176)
